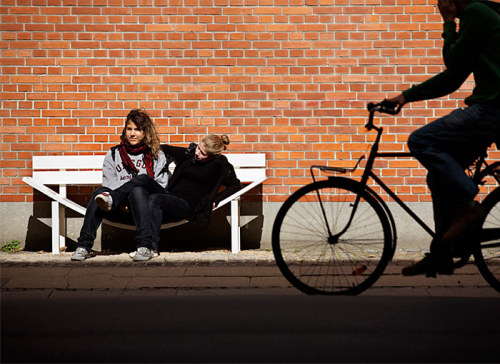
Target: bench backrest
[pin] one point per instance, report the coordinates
(87, 169)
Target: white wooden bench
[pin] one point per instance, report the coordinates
(63, 171)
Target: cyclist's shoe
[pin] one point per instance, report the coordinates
(142, 254)
(429, 266)
(104, 201)
(80, 254)
(465, 220)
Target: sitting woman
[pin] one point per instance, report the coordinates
(138, 153)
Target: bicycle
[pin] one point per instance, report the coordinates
(337, 235)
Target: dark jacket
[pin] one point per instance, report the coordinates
(475, 48)
(227, 178)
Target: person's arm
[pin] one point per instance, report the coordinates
(109, 174)
(231, 183)
(176, 153)
(161, 170)
(440, 85)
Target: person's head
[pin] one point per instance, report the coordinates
(139, 129)
(462, 4)
(211, 146)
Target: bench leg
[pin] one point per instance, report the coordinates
(58, 213)
(62, 226)
(235, 226)
(55, 227)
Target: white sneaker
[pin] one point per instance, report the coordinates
(155, 254)
(104, 201)
(143, 254)
(80, 254)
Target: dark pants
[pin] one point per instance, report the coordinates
(120, 194)
(166, 208)
(446, 147)
(134, 194)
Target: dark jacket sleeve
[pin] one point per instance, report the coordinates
(440, 85)
(178, 154)
(228, 179)
(231, 183)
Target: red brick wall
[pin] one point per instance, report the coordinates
(288, 78)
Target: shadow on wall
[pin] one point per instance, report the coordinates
(186, 237)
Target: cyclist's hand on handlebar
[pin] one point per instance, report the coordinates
(398, 101)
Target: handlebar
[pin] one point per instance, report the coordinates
(383, 107)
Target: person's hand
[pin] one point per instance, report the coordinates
(400, 100)
(447, 9)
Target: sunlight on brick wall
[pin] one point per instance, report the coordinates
(287, 78)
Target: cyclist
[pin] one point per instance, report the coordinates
(448, 145)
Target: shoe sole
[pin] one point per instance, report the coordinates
(78, 259)
(141, 259)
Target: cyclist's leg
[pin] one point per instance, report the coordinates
(446, 147)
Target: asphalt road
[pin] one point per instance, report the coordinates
(251, 328)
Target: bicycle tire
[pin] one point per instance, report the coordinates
(487, 256)
(301, 246)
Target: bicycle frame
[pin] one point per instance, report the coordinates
(477, 176)
(368, 173)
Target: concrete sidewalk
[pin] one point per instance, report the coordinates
(47, 276)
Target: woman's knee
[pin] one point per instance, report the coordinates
(138, 193)
(100, 190)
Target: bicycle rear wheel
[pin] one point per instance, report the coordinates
(346, 260)
(487, 257)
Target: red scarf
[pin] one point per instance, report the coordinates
(126, 148)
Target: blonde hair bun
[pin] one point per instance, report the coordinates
(214, 144)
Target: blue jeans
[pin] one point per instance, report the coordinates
(135, 194)
(446, 147)
(166, 208)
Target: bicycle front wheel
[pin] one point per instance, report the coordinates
(487, 257)
(332, 237)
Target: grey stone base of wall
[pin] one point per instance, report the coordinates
(30, 224)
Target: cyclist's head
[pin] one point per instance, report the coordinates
(492, 4)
